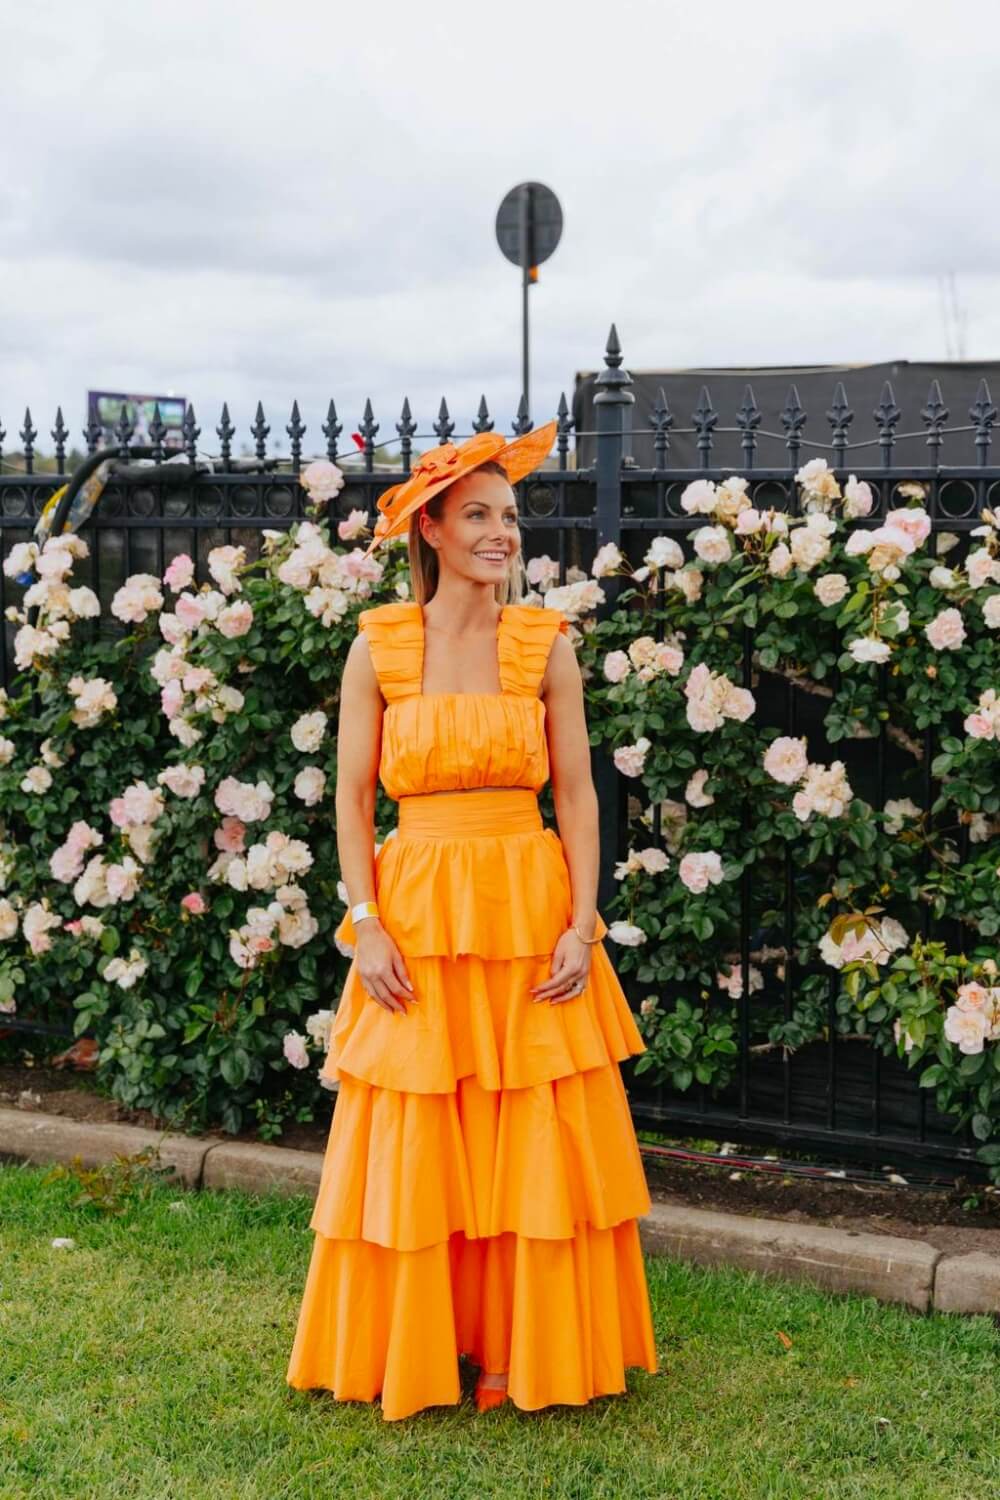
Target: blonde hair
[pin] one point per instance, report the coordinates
(424, 559)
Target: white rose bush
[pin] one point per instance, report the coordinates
(168, 868)
(688, 680)
(168, 872)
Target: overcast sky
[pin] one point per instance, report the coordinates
(238, 201)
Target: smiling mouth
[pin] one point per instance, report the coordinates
(492, 556)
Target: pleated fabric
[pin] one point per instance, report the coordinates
(482, 1180)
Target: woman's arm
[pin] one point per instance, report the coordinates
(359, 742)
(379, 963)
(572, 783)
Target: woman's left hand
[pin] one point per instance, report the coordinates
(571, 965)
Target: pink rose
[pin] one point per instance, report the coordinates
(973, 996)
(914, 521)
(749, 522)
(356, 523)
(946, 632)
(979, 727)
(172, 698)
(235, 620)
(190, 611)
(616, 666)
(698, 870)
(180, 573)
(230, 836)
(296, 1049)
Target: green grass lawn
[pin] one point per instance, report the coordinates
(149, 1361)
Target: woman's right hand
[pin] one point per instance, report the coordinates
(380, 966)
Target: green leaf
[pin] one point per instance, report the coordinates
(235, 1067)
(854, 603)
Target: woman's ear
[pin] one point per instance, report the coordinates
(429, 525)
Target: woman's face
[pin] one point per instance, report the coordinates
(477, 533)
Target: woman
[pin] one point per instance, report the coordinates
(482, 1179)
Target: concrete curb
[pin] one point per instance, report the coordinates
(262, 1168)
(888, 1267)
(29, 1135)
(885, 1266)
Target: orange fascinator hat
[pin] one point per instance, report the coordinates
(441, 466)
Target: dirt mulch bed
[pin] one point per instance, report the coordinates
(956, 1219)
(959, 1218)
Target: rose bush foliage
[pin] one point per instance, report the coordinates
(168, 864)
(689, 676)
(168, 857)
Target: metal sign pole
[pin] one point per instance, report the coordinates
(525, 283)
(528, 228)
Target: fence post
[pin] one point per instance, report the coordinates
(613, 405)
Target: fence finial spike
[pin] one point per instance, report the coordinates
(983, 410)
(444, 426)
(483, 422)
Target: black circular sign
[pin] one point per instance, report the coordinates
(536, 207)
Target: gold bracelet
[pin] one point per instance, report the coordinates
(581, 936)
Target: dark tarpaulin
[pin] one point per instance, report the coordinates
(959, 381)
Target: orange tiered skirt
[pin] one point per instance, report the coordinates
(482, 1179)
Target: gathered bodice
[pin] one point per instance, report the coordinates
(436, 742)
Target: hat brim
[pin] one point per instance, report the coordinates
(520, 457)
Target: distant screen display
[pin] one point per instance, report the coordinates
(105, 408)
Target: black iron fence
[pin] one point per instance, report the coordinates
(829, 1094)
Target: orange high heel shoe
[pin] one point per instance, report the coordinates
(488, 1396)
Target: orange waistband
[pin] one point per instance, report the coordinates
(481, 810)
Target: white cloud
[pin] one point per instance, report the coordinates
(259, 202)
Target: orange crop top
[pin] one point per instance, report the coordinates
(441, 742)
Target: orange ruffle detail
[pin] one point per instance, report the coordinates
(523, 645)
(451, 741)
(395, 632)
(564, 1318)
(476, 1017)
(454, 741)
(504, 895)
(530, 1161)
(395, 638)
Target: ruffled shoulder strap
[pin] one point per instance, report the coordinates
(394, 641)
(525, 640)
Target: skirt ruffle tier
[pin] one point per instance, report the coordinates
(482, 1180)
